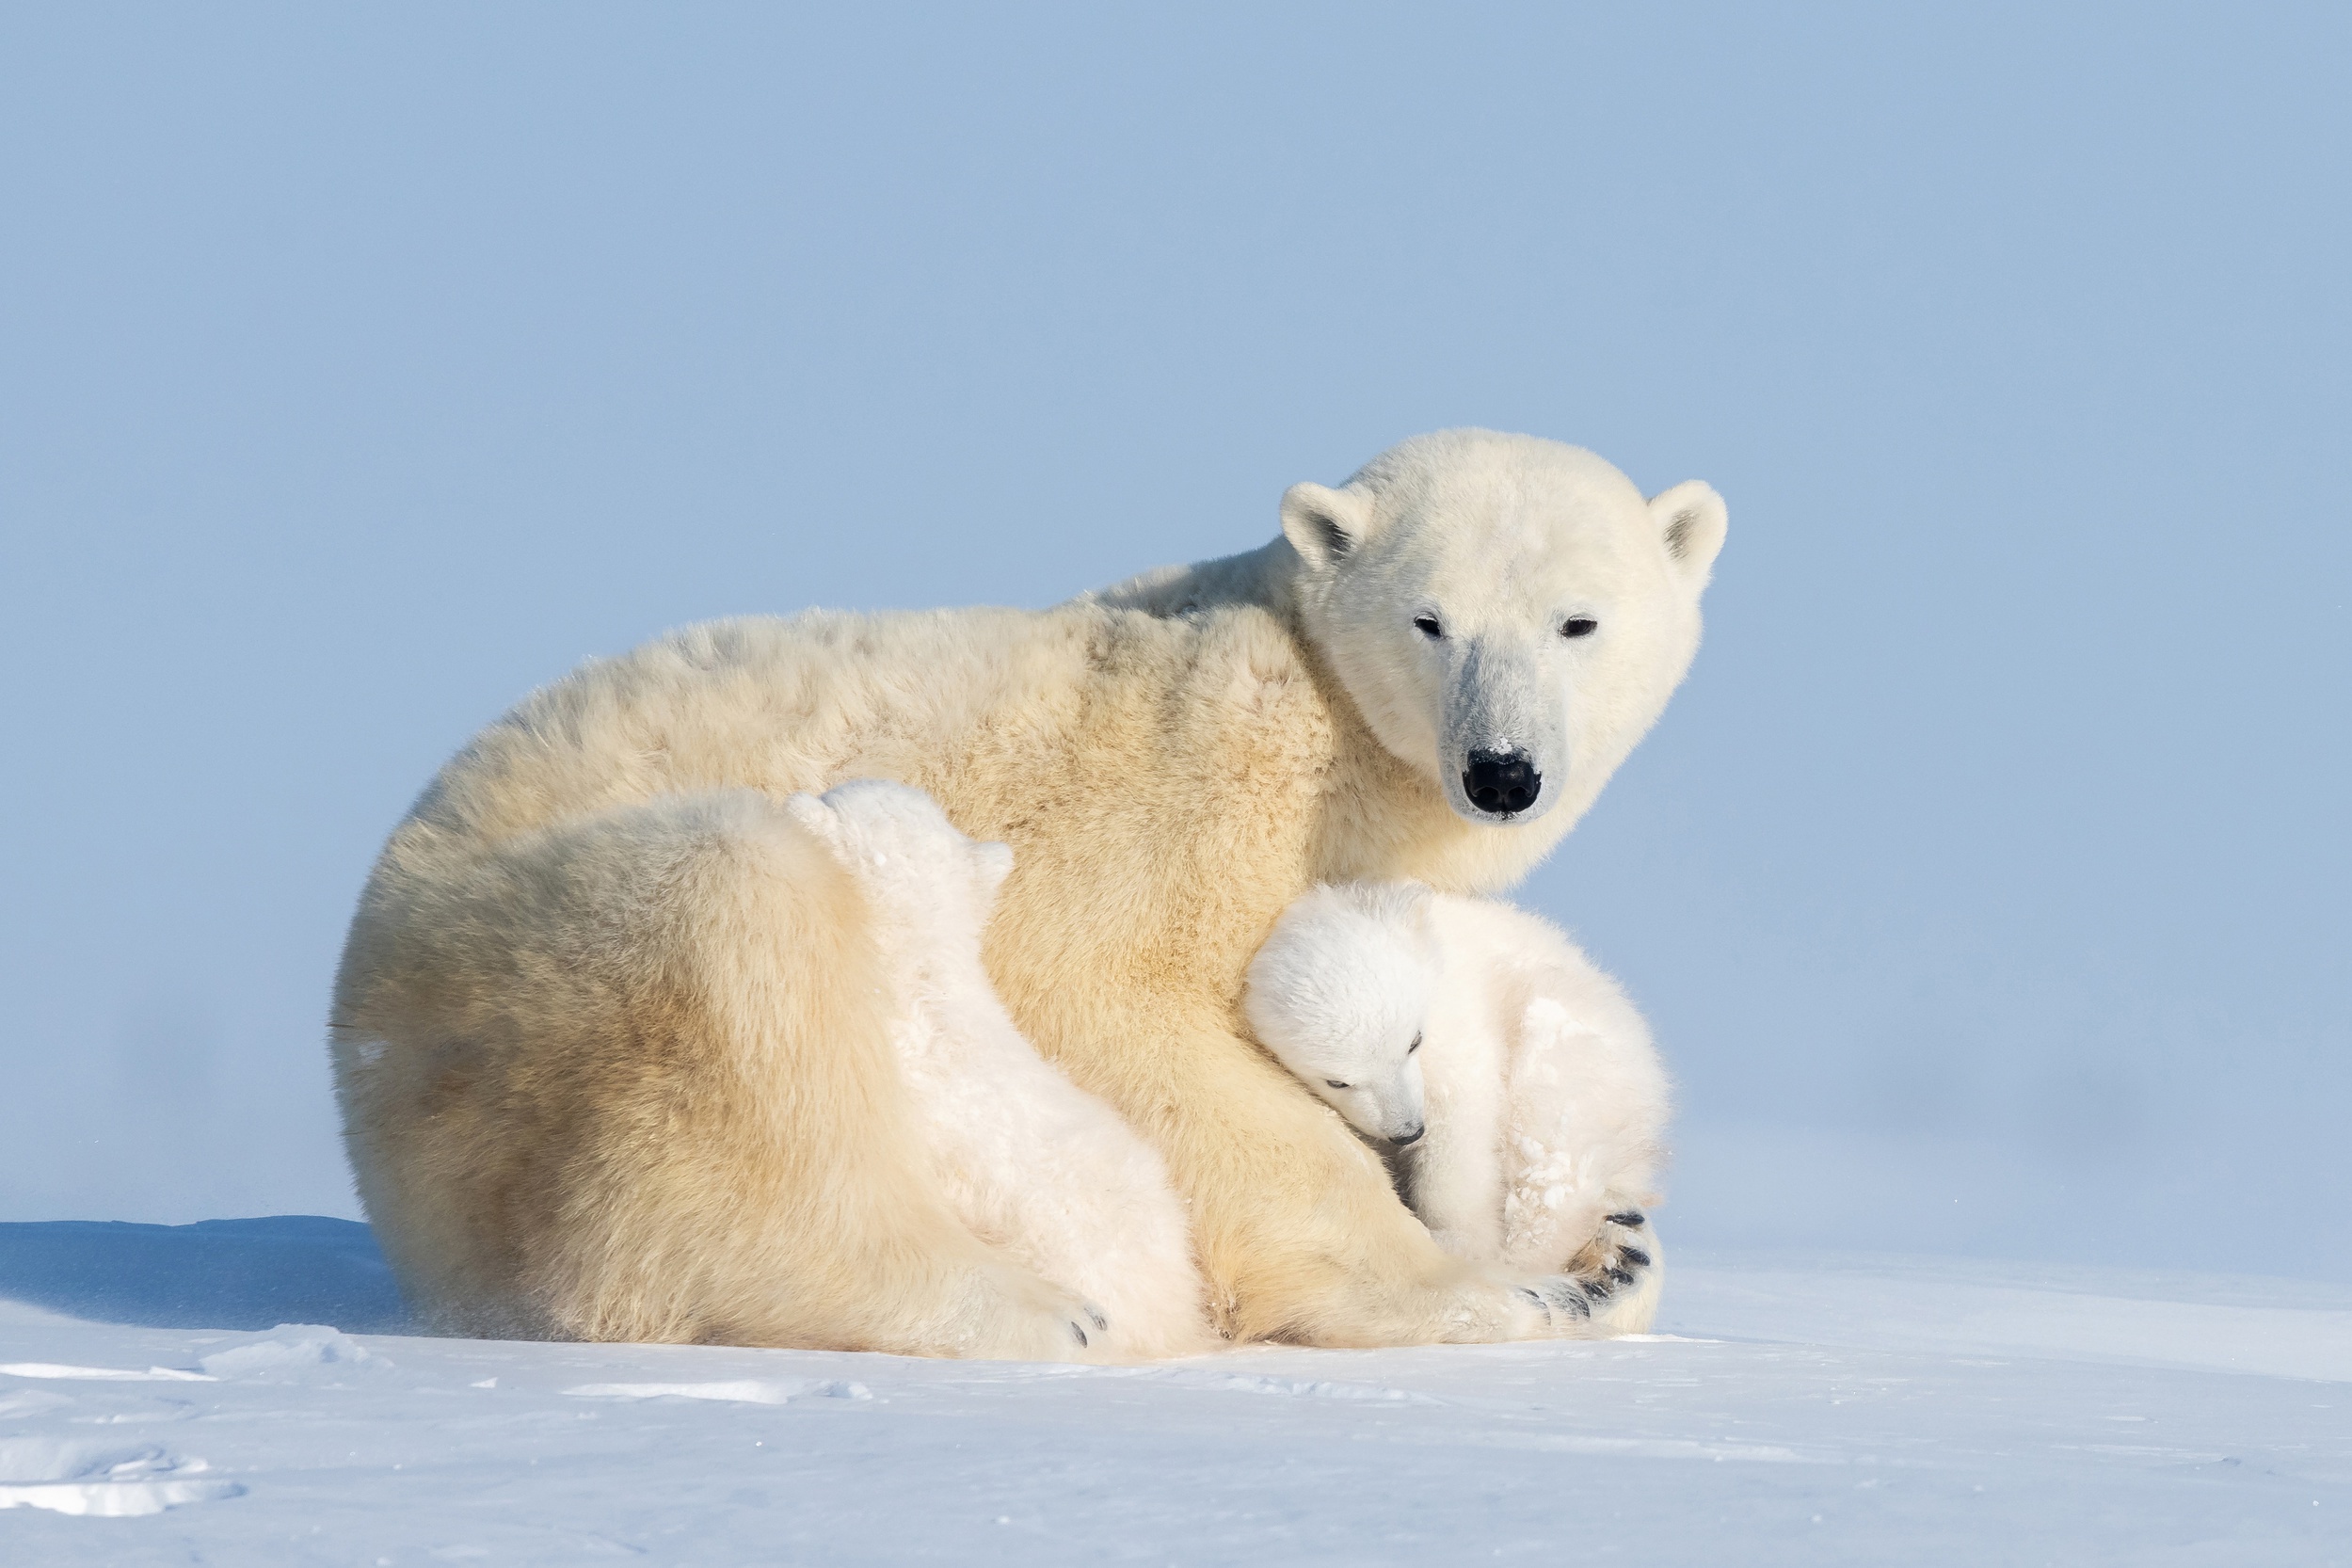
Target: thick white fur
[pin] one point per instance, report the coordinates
(1029, 1160)
(1544, 1100)
(1500, 580)
(1341, 993)
(612, 1029)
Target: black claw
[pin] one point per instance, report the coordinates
(1102, 1325)
(1079, 1331)
(1620, 1275)
(1631, 1218)
(1575, 1300)
(1600, 1290)
(1634, 1256)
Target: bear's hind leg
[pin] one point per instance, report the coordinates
(678, 1116)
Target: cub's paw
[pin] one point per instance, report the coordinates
(1619, 1270)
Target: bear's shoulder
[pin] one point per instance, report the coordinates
(1234, 669)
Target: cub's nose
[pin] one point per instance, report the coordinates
(1501, 783)
(1410, 1135)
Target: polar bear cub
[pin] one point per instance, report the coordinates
(1028, 1160)
(1517, 1084)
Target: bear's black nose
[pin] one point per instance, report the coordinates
(1410, 1135)
(1501, 783)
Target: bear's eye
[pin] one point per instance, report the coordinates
(1579, 626)
(1335, 1083)
(1416, 1046)
(1427, 626)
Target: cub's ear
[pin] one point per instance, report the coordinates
(1323, 524)
(995, 862)
(816, 816)
(1690, 518)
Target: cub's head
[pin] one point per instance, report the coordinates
(922, 878)
(1508, 613)
(1339, 994)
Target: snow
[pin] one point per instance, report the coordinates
(1791, 1410)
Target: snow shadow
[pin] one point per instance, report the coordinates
(216, 1273)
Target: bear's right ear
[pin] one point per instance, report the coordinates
(1323, 524)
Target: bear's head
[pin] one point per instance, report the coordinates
(1338, 994)
(929, 889)
(1508, 614)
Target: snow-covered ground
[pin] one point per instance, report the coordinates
(1792, 1410)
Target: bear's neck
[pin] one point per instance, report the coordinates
(1382, 819)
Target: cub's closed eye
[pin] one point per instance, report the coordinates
(1335, 1083)
(1428, 626)
(1578, 627)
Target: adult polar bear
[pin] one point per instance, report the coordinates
(608, 1035)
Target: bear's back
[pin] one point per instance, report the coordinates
(1084, 735)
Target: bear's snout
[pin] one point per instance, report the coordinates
(1501, 783)
(1410, 1135)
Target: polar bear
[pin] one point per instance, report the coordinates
(609, 1038)
(1027, 1160)
(1517, 1085)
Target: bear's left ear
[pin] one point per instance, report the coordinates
(1690, 518)
(1323, 524)
(995, 863)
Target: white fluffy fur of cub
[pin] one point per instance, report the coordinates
(1541, 1095)
(1029, 1160)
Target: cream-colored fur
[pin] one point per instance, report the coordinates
(611, 1035)
(1029, 1160)
(1532, 1095)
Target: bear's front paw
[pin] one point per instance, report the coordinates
(1487, 1304)
(1614, 1259)
(1620, 1272)
(1564, 1302)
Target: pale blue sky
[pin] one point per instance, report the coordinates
(361, 369)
